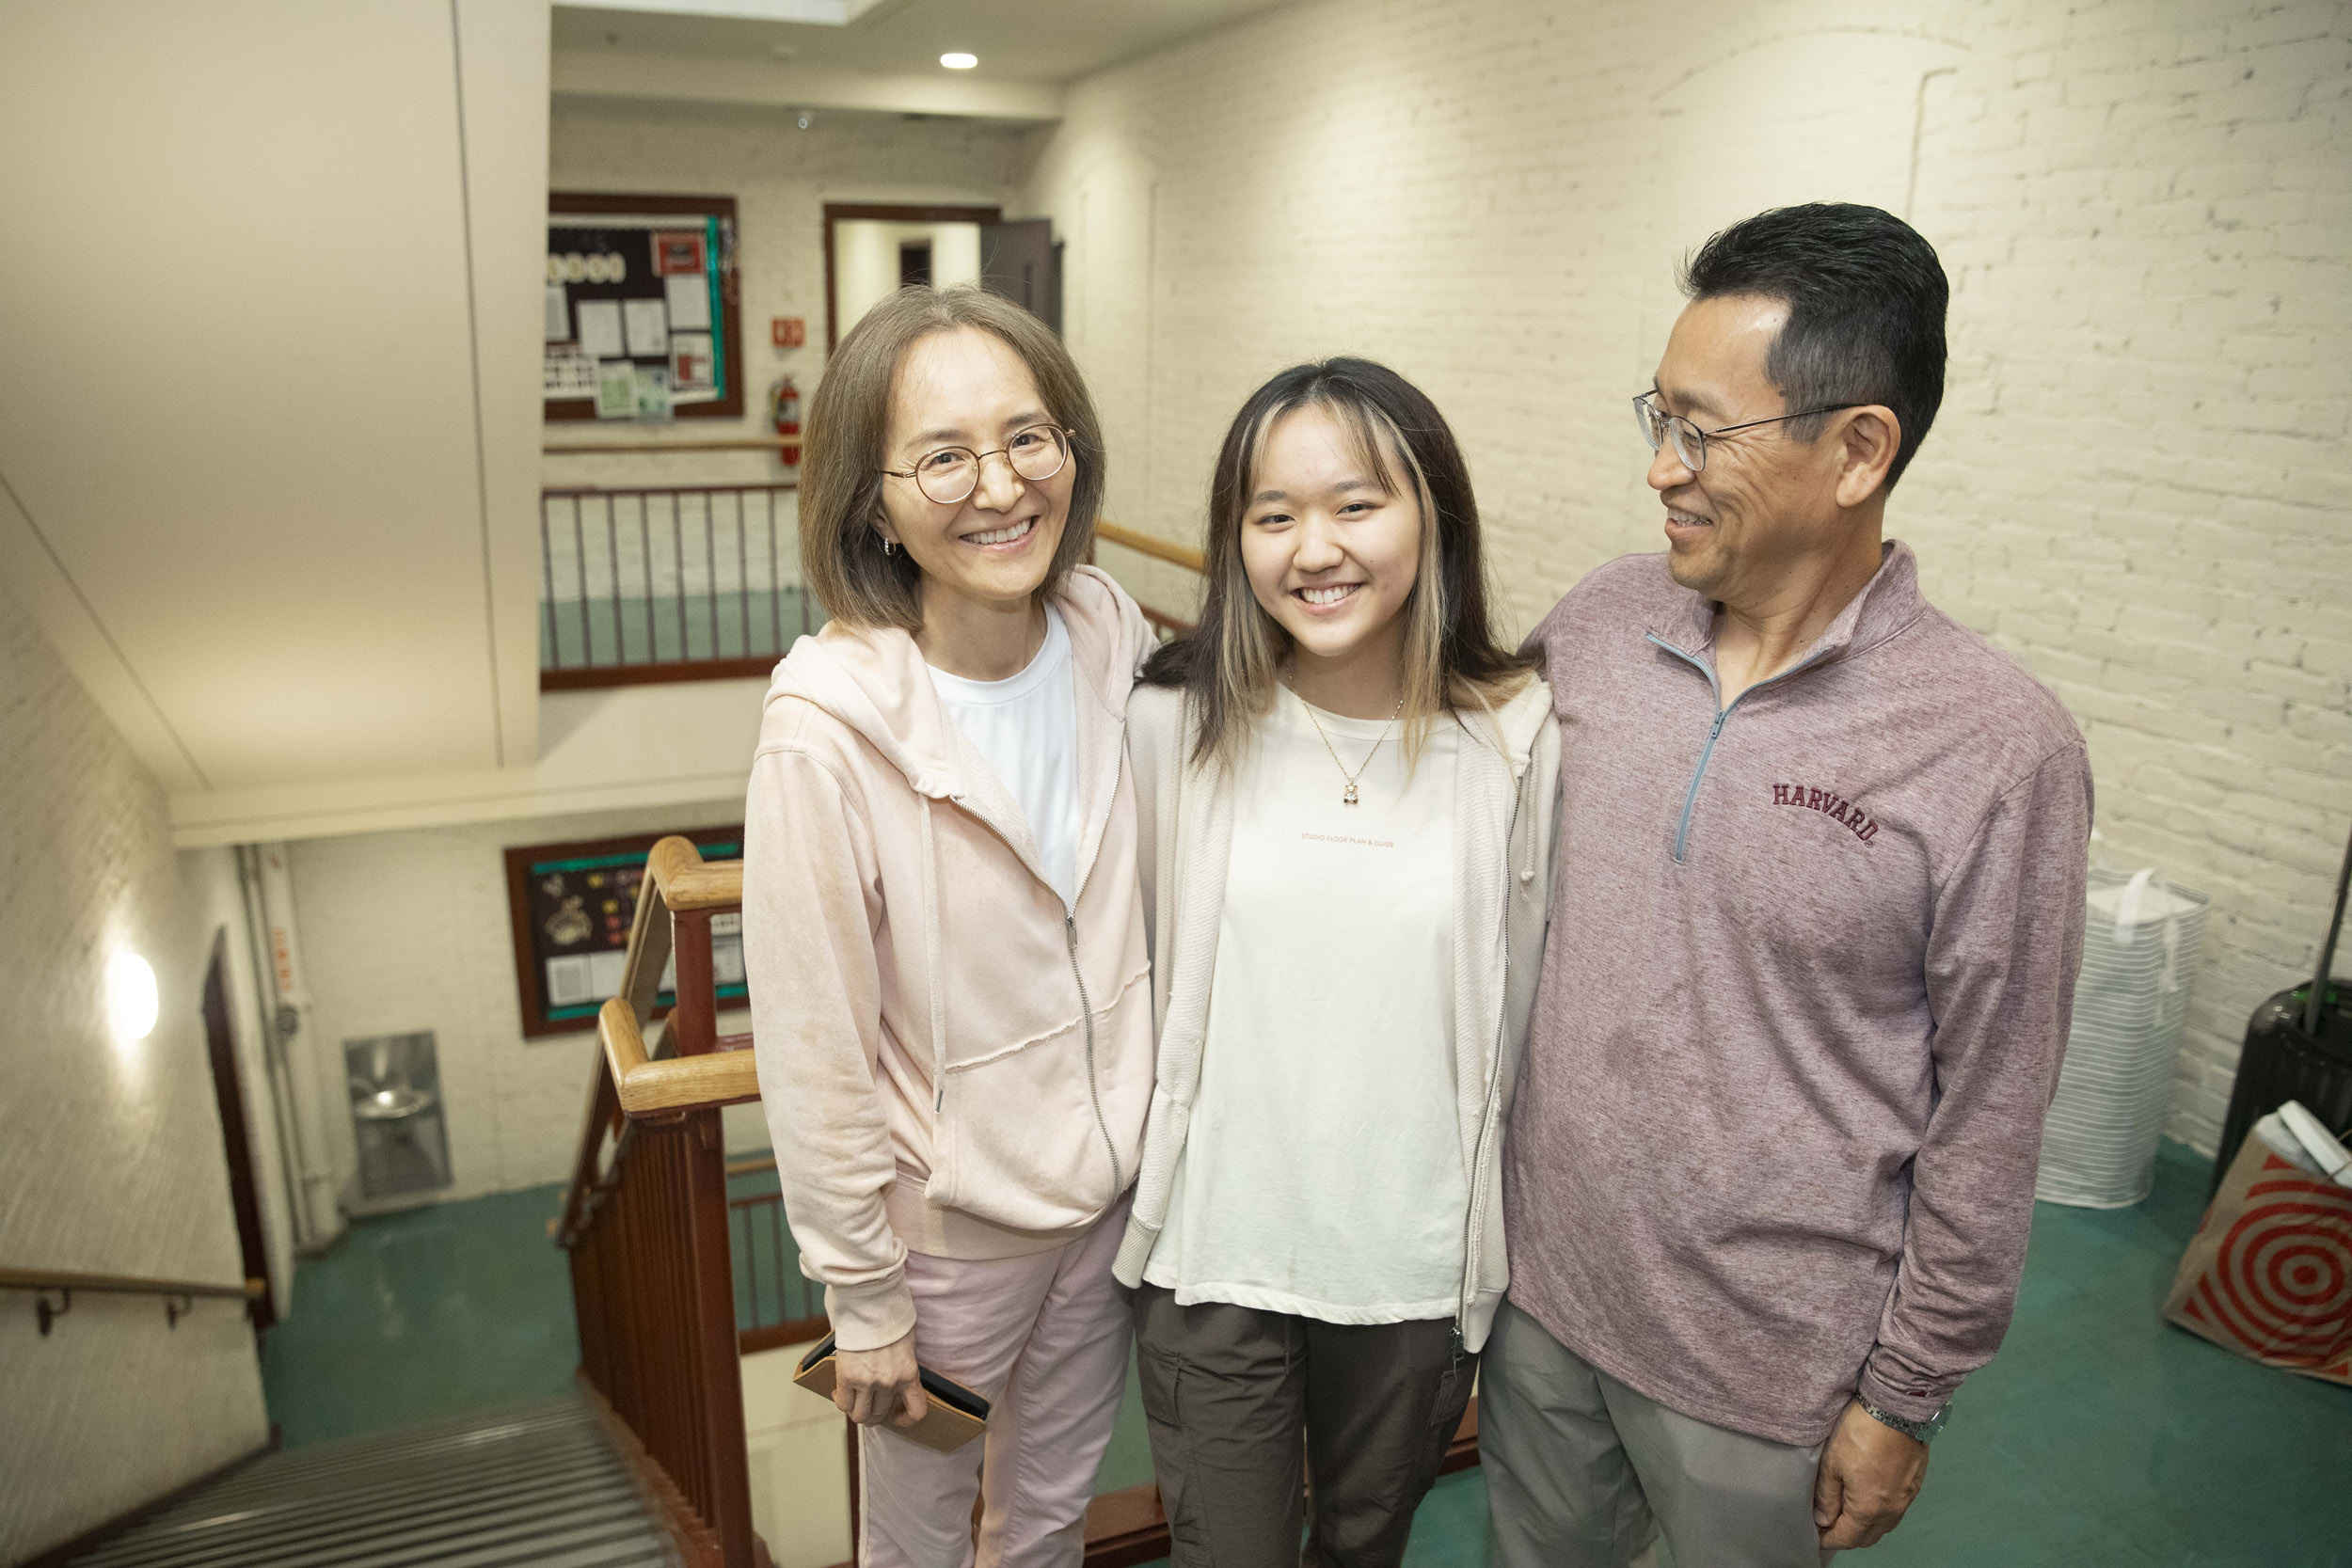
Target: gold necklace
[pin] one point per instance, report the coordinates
(1348, 796)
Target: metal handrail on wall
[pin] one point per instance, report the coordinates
(180, 1295)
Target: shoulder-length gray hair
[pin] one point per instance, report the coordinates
(849, 429)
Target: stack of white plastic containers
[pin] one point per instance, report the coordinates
(2140, 951)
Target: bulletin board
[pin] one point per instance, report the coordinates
(643, 308)
(572, 905)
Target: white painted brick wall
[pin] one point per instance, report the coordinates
(110, 1156)
(2138, 484)
(407, 931)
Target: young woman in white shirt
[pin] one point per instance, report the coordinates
(943, 926)
(1346, 790)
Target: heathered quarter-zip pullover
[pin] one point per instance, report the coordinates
(1811, 962)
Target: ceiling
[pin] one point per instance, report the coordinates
(1017, 41)
(261, 482)
(270, 421)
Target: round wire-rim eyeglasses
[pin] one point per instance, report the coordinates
(1690, 441)
(948, 475)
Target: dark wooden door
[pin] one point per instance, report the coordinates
(220, 1044)
(1021, 261)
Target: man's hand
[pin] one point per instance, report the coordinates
(1869, 1473)
(871, 1387)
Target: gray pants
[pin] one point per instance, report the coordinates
(1582, 1471)
(1235, 1397)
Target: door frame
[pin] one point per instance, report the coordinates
(886, 213)
(245, 1192)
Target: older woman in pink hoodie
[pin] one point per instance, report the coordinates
(948, 975)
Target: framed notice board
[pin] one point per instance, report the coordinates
(571, 906)
(643, 308)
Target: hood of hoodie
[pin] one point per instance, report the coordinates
(874, 681)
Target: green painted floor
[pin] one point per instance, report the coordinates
(430, 1313)
(2100, 1436)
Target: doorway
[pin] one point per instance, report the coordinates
(220, 1046)
(873, 250)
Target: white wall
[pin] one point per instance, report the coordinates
(800, 1463)
(2137, 480)
(406, 931)
(110, 1155)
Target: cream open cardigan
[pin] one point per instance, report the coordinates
(1506, 791)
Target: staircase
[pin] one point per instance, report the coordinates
(533, 1484)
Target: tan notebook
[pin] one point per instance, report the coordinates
(957, 1415)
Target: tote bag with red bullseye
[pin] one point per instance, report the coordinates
(2268, 1273)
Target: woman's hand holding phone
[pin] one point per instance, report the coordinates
(871, 1387)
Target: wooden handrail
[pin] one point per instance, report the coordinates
(743, 443)
(125, 1284)
(677, 880)
(650, 1087)
(1145, 544)
(646, 1220)
(583, 492)
(688, 883)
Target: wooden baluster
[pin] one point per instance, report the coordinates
(695, 1017)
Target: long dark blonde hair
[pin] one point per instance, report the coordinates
(1227, 665)
(857, 582)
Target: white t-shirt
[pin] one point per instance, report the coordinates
(1323, 1172)
(1027, 729)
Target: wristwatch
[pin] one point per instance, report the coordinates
(1922, 1431)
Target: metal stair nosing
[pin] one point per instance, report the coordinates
(389, 1479)
(630, 1531)
(646, 1553)
(292, 1537)
(384, 1449)
(446, 1434)
(197, 1530)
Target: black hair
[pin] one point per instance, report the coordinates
(1866, 297)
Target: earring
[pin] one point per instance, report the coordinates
(889, 548)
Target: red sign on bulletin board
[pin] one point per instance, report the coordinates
(678, 252)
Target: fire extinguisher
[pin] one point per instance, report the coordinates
(786, 398)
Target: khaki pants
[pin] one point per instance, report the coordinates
(1043, 1338)
(1236, 1398)
(1582, 1471)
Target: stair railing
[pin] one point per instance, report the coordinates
(646, 1219)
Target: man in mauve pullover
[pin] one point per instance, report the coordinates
(1815, 931)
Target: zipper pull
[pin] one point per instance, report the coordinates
(1720, 714)
(1458, 1350)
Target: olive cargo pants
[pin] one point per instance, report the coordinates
(1237, 1400)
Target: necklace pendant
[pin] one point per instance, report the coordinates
(1349, 799)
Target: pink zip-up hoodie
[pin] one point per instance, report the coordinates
(953, 1061)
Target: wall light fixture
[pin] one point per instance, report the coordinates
(131, 999)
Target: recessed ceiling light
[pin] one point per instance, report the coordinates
(959, 62)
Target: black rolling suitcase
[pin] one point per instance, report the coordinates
(2299, 1046)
